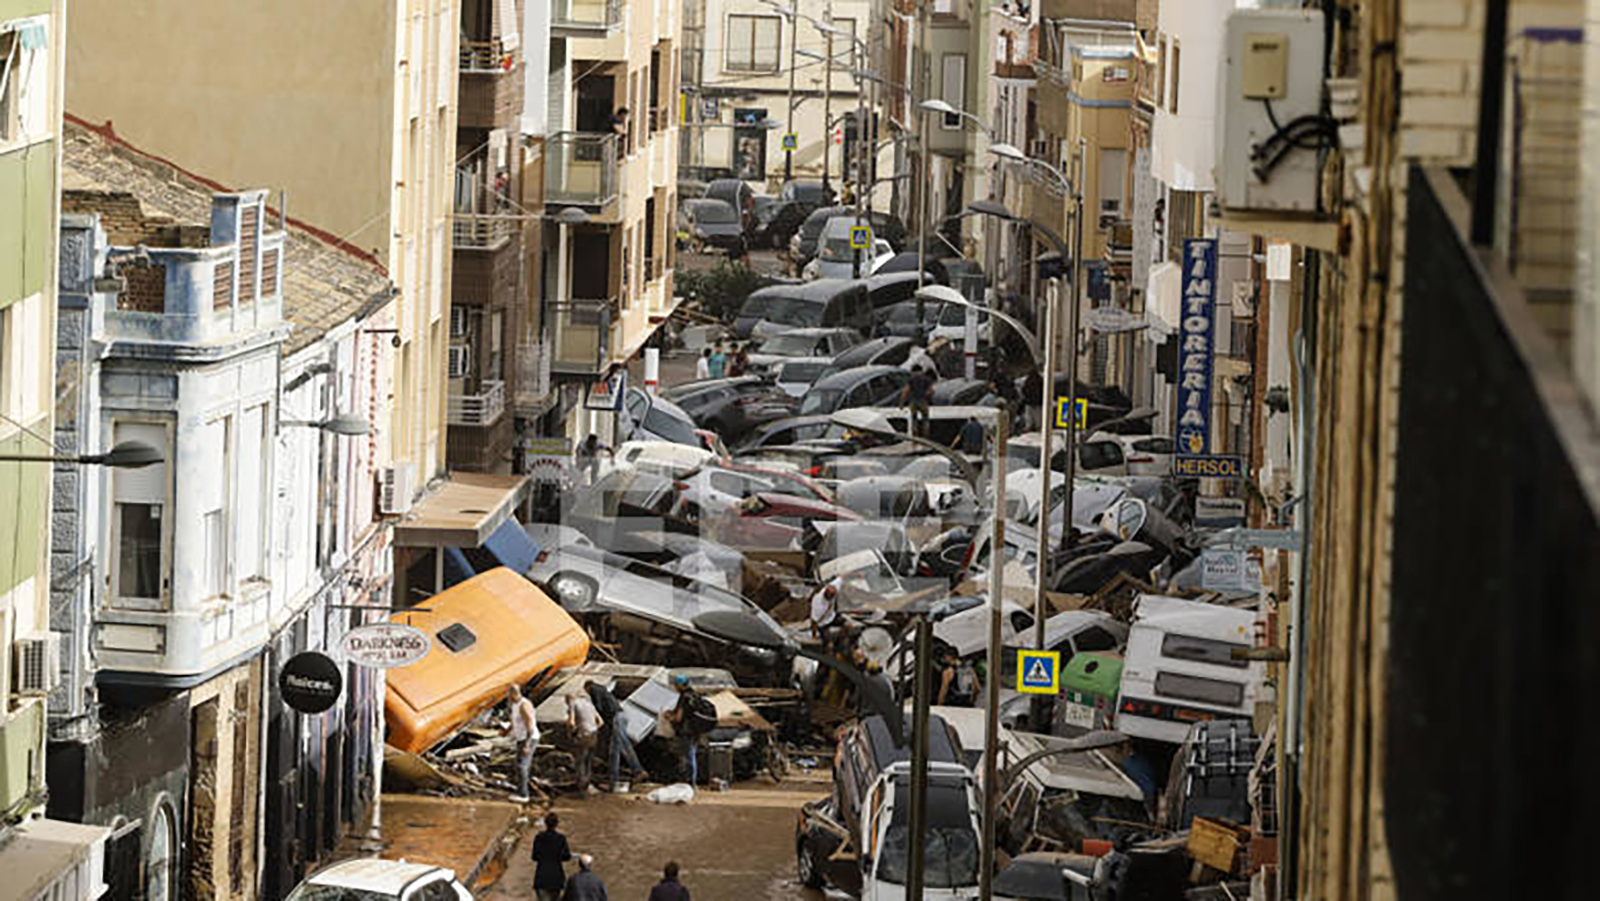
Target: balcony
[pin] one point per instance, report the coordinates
(478, 410)
(481, 231)
(491, 85)
(533, 379)
(582, 335)
(582, 169)
(584, 18)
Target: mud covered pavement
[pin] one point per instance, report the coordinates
(732, 845)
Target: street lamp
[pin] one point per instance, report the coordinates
(343, 424)
(124, 455)
(939, 106)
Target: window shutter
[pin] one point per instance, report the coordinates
(249, 225)
(222, 285)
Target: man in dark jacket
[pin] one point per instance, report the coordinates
(584, 884)
(550, 851)
(610, 710)
(1032, 401)
(669, 888)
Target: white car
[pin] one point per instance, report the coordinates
(1127, 455)
(836, 258)
(663, 458)
(952, 325)
(802, 344)
(371, 879)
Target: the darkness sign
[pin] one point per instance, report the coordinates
(310, 682)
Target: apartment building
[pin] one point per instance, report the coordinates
(738, 59)
(610, 191)
(354, 118)
(257, 359)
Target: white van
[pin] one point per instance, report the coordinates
(1179, 667)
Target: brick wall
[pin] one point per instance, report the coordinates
(146, 290)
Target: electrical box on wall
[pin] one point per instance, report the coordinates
(1270, 124)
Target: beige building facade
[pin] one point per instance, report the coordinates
(349, 109)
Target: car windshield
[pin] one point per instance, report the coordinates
(788, 345)
(309, 892)
(950, 861)
(802, 371)
(669, 427)
(793, 311)
(837, 250)
(756, 306)
(820, 401)
(714, 212)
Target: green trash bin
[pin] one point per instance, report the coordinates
(1089, 685)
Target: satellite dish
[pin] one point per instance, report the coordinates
(877, 644)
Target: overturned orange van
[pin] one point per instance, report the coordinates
(491, 631)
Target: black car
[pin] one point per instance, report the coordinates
(876, 352)
(777, 222)
(933, 267)
(710, 223)
(864, 386)
(810, 194)
(900, 320)
(731, 407)
(962, 393)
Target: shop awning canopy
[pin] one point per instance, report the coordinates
(462, 512)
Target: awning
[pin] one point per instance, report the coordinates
(463, 512)
(42, 851)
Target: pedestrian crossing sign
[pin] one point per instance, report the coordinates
(1039, 672)
(1061, 413)
(791, 142)
(860, 237)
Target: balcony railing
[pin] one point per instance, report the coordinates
(586, 15)
(581, 330)
(533, 375)
(582, 169)
(484, 408)
(486, 56)
(482, 230)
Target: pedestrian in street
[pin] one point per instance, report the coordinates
(669, 888)
(702, 366)
(584, 884)
(740, 364)
(918, 396)
(690, 720)
(958, 681)
(584, 722)
(610, 710)
(586, 458)
(972, 438)
(550, 851)
(718, 362)
(525, 732)
(1032, 400)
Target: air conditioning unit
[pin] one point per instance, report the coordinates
(460, 361)
(394, 489)
(458, 321)
(37, 662)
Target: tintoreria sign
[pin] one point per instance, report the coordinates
(1197, 329)
(386, 645)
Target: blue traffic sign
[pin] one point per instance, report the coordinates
(860, 237)
(1039, 672)
(1083, 412)
(791, 142)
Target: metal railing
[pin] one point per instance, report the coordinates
(582, 168)
(486, 56)
(600, 15)
(482, 230)
(533, 374)
(484, 408)
(581, 332)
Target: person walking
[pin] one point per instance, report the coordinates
(610, 710)
(718, 363)
(739, 363)
(525, 732)
(702, 366)
(550, 851)
(918, 396)
(584, 722)
(1032, 400)
(669, 888)
(584, 884)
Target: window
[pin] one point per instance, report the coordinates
(253, 501)
(1155, 446)
(139, 498)
(10, 75)
(954, 86)
(1161, 71)
(24, 79)
(1177, 76)
(849, 27)
(1095, 638)
(1200, 689)
(1113, 178)
(20, 359)
(212, 479)
(497, 328)
(1099, 454)
(752, 43)
(1202, 650)
(1116, 74)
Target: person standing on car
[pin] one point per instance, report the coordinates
(525, 732)
(550, 851)
(584, 722)
(610, 710)
(669, 888)
(584, 884)
(918, 396)
(702, 366)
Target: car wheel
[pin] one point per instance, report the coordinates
(806, 865)
(573, 592)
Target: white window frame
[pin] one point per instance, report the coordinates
(113, 526)
(947, 121)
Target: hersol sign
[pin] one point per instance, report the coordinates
(386, 645)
